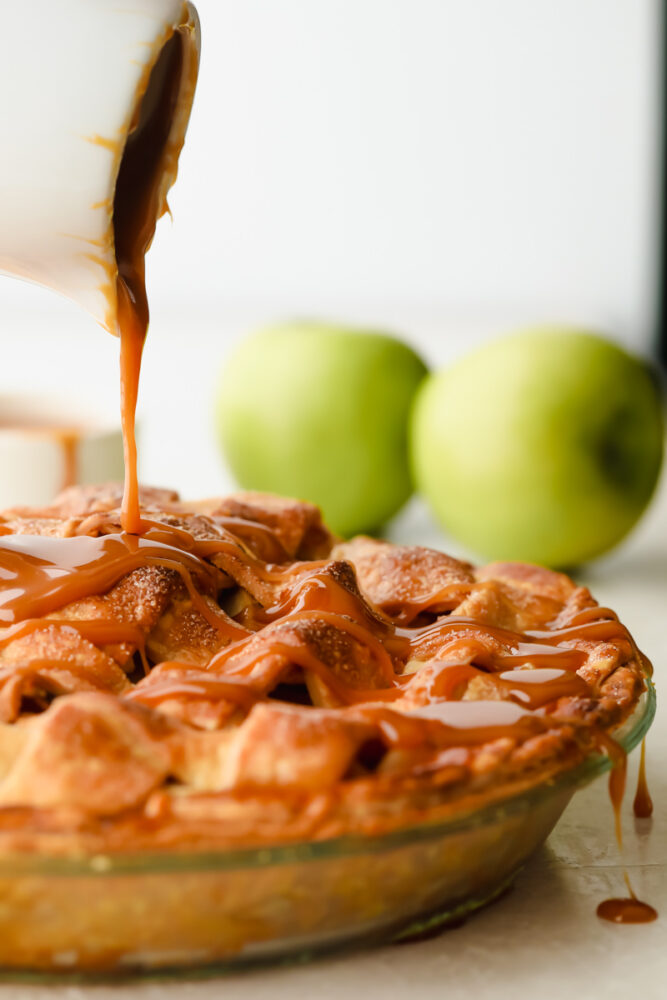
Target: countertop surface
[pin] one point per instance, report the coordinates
(542, 939)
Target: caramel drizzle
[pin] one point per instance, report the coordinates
(43, 574)
(97, 631)
(182, 680)
(628, 910)
(453, 723)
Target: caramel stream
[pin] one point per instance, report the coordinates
(137, 206)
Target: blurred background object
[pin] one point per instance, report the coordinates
(322, 412)
(444, 168)
(543, 446)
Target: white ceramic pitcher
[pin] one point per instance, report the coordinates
(73, 75)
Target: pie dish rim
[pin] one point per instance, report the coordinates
(22, 863)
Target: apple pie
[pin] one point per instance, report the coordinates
(236, 676)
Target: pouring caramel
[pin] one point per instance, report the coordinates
(147, 167)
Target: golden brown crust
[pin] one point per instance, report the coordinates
(294, 688)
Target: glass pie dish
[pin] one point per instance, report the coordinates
(157, 914)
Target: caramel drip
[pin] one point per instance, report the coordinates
(629, 910)
(617, 779)
(643, 803)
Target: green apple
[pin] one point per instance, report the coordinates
(320, 412)
(544, 446)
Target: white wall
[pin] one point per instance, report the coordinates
(493, 158)
(473, 154)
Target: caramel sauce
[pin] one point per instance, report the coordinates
(259, 535)
(132, 336)
(171, 684)
(454, 723)
(643, 803)
(450, 681)
(520, 648)
(42, 574)
(97, 631)
(617, 779)
(138, 203)
(298, 654)
(539, 687)
(627, 911)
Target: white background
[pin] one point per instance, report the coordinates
(474, 155)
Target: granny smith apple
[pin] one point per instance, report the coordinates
(320, 412)
(543, 446)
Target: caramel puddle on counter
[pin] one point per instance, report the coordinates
(630, 909)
